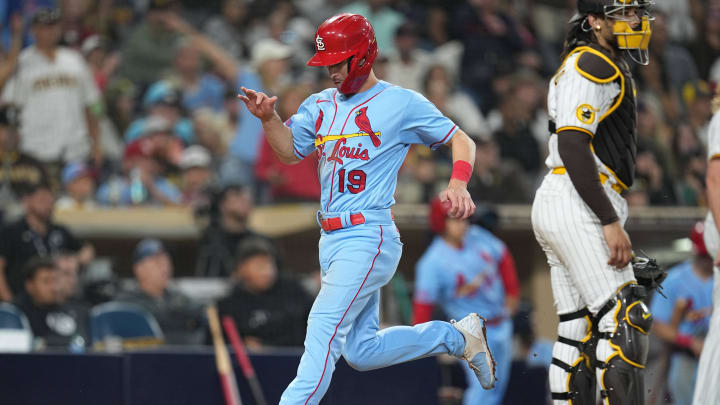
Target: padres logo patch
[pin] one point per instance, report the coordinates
(586, 114)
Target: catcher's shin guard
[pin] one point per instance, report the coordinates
(572, 379)
(622, 350)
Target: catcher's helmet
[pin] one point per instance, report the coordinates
(635, 41)
(698, 242)
(342, 37)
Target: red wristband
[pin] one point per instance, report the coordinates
(683, 341)
(462, 171)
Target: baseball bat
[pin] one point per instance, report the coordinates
(243, 359)
(222, 360)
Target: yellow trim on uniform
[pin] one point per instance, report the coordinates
(618, 350)
(603, 179)
(624, 187)
(625, 285)
(578, 361)
(572, 128)
(619, 99)
(715, 156)
(588, 336)
(591, 77)
(321, 140)
(626, 318)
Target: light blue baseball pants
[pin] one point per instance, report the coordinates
(355, 263)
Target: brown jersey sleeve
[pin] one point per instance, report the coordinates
(579, 162)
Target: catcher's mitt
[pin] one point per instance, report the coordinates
(648, 273)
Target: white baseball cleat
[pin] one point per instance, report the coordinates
(477, 352)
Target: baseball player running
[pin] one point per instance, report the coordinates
(361, 131)
(467, 268)
(707, 389)
(578, 212)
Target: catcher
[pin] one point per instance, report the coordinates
(579, 212)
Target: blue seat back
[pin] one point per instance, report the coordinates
(12, 318)
(124, 320)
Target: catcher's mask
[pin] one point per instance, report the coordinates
(635, 39)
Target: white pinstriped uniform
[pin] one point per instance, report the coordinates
(707, 388)
(568, 231)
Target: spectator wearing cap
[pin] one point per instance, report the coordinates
(288, 183)
(269, 308)
(52, 319)
(179, 317)
(58, 96)
(21, 172)
(143, 180)
(196, 175)
(35, 234)
(269, 74)
(162, 100)
(227, 229)
(79, 187)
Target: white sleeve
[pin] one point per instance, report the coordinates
(714, 137)
(581, 102)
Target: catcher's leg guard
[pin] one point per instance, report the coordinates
(572, 378)
(622, 346)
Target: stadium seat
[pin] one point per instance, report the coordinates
(125, 323)
(15, 332)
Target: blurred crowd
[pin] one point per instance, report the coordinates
(119, 103)
(133, 102)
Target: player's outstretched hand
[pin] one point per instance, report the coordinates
(457, 200)
(258, 103)
(618, 242)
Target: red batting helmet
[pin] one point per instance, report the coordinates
(438, 215)
(342, 37)
(698, 242)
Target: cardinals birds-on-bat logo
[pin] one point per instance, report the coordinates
(363, 123)
(318, 122)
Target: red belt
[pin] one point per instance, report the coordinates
(333, 224)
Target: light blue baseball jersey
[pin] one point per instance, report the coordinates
(362, 141)
(683, 283)
(463, 280)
